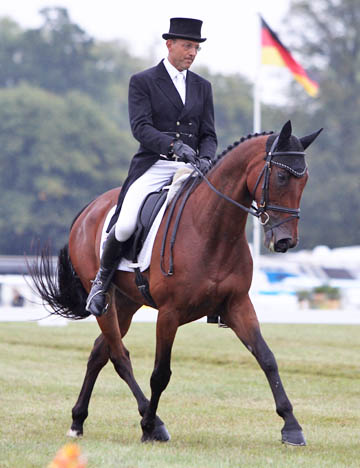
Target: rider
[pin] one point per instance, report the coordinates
(172, 116)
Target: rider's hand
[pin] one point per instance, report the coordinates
(204, 164)
(184, 152)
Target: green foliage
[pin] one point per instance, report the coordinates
(327, 291)
(57, 153)
(329, 44)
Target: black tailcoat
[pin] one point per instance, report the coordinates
(158, 116)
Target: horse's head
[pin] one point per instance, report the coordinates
(277, 187)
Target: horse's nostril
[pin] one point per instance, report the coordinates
(282, 245)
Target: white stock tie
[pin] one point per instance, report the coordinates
(180, 84)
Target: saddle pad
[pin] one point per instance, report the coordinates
(144, 257)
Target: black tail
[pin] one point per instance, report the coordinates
(60, 287)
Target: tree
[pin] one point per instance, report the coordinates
(56, 154)
(329, 42)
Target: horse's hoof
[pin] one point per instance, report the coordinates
(158, 434)
(75, 433)
(293, 437)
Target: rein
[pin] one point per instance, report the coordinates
(253, 210)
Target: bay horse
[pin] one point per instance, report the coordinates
(212, 270)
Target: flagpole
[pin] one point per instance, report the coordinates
(257, 129)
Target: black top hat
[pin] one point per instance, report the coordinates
(185, 28)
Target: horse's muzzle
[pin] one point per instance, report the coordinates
(283, 245)
(279, 240)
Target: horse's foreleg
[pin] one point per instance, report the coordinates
(165, 334)
(98, 358)
(245, 324)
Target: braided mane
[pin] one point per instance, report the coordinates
(237, 143)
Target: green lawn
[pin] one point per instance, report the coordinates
(218, 406)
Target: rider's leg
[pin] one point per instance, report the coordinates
(111, 256)
(152, 180)
(113, 247)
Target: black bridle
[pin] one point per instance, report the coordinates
(264, 204)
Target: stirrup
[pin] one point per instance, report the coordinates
(221, 324)
(92, 296)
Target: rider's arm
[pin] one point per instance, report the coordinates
(141, 117)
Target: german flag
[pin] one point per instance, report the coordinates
(273, 52)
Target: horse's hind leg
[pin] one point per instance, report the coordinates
(97, 360)
(242, 319)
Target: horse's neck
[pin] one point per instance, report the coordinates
(228, 177)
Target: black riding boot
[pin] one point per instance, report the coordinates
(111, 256)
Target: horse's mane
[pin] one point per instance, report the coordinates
(237, 143)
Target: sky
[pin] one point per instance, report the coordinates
(230, 26)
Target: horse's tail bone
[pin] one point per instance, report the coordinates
(59, 287)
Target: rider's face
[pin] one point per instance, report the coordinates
(182, 53)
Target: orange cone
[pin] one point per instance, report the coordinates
(69, 456)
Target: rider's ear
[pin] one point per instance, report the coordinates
(307, 140)
(285, 133)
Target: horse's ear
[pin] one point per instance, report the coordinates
(285, 133)
(307, 140)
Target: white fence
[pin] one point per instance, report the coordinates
(271, 308)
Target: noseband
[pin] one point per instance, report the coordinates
(264, 205)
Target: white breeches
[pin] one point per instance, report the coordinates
(152, 180)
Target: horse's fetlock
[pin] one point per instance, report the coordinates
(147, 425)
(284, 409)
(79, 416)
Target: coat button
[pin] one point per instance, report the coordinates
(177, 135)
(190, 123)
(177, 123)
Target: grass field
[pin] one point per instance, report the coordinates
(218, 406)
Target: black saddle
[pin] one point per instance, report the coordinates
(146, 216)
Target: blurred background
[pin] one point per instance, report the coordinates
(65, 136)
